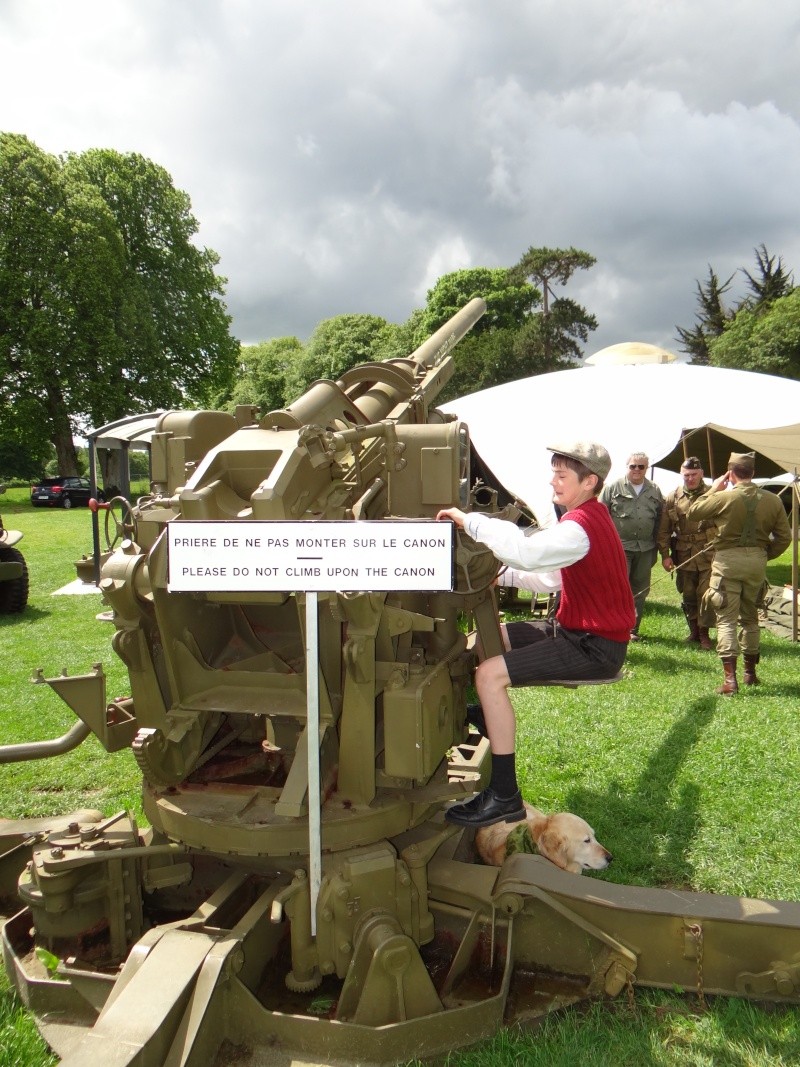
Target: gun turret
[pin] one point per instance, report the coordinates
(218, 680)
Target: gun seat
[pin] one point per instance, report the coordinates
(573, 683)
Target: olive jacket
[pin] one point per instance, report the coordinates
(635, 516)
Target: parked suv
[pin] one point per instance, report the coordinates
(62, 492)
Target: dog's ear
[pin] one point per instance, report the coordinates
(553, 846)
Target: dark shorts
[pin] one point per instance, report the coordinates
(543, 651)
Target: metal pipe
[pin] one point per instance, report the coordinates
(45, 749)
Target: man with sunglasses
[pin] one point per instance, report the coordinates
(635, 504)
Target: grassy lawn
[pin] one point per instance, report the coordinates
(687, 789)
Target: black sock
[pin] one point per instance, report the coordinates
(504, 775)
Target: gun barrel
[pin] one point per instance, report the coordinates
(433, 351)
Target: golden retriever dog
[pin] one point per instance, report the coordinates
(563, 838)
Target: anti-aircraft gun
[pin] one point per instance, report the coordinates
(207, 927)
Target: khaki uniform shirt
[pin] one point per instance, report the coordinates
(770, 528)
(687, 537)
(635, 515)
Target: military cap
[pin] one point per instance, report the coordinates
(691, 463)
(592, 455)
(742, 459)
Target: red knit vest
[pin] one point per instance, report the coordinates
(595, 593)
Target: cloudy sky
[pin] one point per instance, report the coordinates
(341, 156)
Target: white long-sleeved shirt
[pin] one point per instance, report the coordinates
(534, 559)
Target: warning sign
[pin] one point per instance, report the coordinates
(310, 556)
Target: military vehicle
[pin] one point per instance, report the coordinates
(207, 937)
(13, 571)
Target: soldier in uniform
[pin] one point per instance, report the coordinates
(751, 528)
(685, 549)
(635, 505)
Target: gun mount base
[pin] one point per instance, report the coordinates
(503, 946)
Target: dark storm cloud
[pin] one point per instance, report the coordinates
(340, 157)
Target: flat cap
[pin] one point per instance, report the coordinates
(691, 463)
(742, 459)
(592, 455)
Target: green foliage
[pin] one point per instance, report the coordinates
(756, 334)
(711, 319)
(507, 301)
(483, 360)
(172, 328)
(512, 340)
(264, 372)
(340, 343)
(547, 266)
(765, 339)
(550, 341)
(771, 280)
(23, 460)
(107, 306)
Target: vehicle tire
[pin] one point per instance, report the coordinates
(13, 594)
(67, 503)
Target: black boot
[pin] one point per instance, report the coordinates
(694, 632)
(486, 809)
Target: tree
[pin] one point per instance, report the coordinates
(59, 260)
(771, 281)
(340, 343)
(554, 341)
(174, 330)
(765, 339)
(711, 319)
(106, 305)
(508, 301)
(265, 368)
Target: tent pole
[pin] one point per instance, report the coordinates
(712, 473)
(795, 490)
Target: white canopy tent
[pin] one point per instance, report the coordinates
(636, 407)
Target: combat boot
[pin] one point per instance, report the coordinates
(694, 632)
(750, 677)
(730, 685)
(705, 639)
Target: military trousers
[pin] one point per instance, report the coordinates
(692, 582)
(735, 591)
(640, 566)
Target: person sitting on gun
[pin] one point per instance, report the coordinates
(583, 557)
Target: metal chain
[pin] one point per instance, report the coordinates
(629, 992)
(696, 930)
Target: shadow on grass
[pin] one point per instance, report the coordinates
(648, 829)
(672, 664)
(30, 614)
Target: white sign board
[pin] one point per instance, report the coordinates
(312, 556)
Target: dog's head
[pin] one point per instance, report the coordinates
(569, 842)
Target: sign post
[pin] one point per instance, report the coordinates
(312, 557)
(312, 734)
